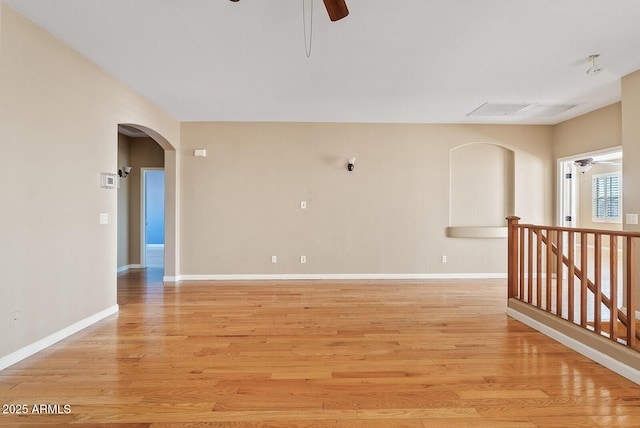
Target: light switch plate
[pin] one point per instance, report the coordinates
(104, 218)
(632, 218)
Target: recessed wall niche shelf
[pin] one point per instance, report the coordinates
(481, 191)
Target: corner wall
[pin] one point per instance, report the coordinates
(58, 131)
(631, 149)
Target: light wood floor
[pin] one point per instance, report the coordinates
(315, 354)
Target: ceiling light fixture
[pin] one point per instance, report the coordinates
(584, 165)
(595, 68)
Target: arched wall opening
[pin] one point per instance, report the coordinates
(158, 152)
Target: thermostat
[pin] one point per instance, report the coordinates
(108, 181)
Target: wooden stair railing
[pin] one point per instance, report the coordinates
(521, 274)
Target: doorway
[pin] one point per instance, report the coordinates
(574, 188)
(141, 147)
(152, 217)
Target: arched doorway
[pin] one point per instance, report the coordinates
(152, 150)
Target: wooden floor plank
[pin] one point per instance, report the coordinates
(342, 354)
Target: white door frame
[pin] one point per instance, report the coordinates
(143, 214)
(562, 191)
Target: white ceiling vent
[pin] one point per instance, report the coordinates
(519, 110)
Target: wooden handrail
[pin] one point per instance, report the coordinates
(523, 290)
(580, 230)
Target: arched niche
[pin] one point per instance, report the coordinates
(481, 190)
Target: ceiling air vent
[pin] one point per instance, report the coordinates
(519, 110)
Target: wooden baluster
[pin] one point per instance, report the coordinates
(539, 268)
(512, 264)
(559, 269)
(584, 283)
(613, 287)
(523, 297)
(570, 275)
(530, 266)
(631, 292)
(549, 273)
(597, 273)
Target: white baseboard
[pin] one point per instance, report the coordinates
(340, 276)
(611, 363)
(41, 344)
(129, 267)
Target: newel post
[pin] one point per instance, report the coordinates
(512, 263)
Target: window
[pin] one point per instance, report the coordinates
(605, 193)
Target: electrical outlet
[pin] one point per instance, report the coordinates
(444, 259)
(303, 259)
(274, 259)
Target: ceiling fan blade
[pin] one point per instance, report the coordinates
(337, 9)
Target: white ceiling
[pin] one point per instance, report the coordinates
(404, 61)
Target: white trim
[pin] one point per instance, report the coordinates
(611, 363)
(129, 267)
(41, 344)
(338, 276)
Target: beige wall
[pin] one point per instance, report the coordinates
(58, 131)
(598, 130)
(241, 204)
(481, 176)
(123, 204)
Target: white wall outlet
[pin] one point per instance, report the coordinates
(104, 218)
(303, 259)
(274, 259)
(632, 218)
(303, 205)
(444, 259)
